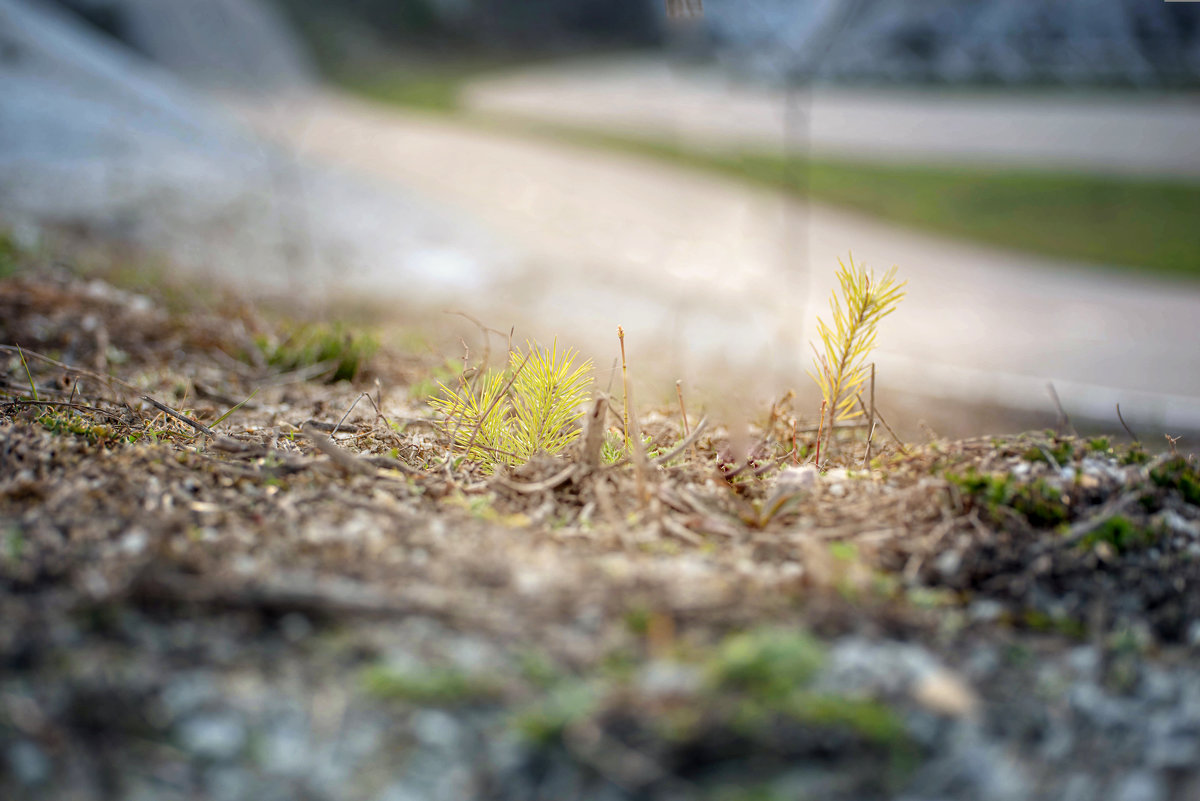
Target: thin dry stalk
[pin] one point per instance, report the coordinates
(870, 419)
(1128, 430)
(1064, 420)
(624, 383)
(682, 446)
(347, 414)
(486, 331)
(820, 426)
(682, 410)
(28, 375)
(341, 457)
(104, 379)
(162, 407)
(884, 423)
(641, 465)
(593, 438)
(79, 407)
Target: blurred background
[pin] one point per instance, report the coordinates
(568, 166)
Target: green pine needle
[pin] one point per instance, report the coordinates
(532, 407)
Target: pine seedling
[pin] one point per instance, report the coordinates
(841, 363)
(547, 398)
(511, 415)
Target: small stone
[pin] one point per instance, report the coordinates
(436, 729)
(1174, 742)
(1178, 524)
(1193, 634)
(286, 752)
(295, 627)
(944, 693)
(134, 541)
(1084, 661)
(1080, 787)
(795, 480)
(948, 563)
(217, 736)
(985, 610)
(28, 764)
(665, 679)
(1156, 686)
(1140, 785)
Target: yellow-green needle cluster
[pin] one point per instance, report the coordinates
(508, 416)
(841, 362)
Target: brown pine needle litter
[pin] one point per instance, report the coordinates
(308, 511)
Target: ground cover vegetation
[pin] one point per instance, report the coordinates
(1140, 224)
(224, 571)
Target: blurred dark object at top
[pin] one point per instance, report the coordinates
(1140, 43)
(1020, 42)
(533, 25)
(684, 8)
(242, 44)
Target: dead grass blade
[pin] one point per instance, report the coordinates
(341, 457)
(183, 418)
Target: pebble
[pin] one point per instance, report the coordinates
(1140, 786)
(134, 541)
(795, 480)
(1081, 787)
(948, 562)
(665, 679)
(984, 610)
(1174, 742)
(1179, 524)
(944, 693)
(1084, 661)
(28, 764)
(295, 626)
(216, 736)
(285, 750)
(436, 729)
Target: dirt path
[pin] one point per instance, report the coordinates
(711, 268)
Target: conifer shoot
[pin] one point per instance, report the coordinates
(841, 363)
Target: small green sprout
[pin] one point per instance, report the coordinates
(508, 417)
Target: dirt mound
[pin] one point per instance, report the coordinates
(224, 575)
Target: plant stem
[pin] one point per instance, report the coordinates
(847, 348)
(682, 410)
(624, 384)
(32, 386)
(820, 426)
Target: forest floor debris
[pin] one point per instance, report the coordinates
(290, 586)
